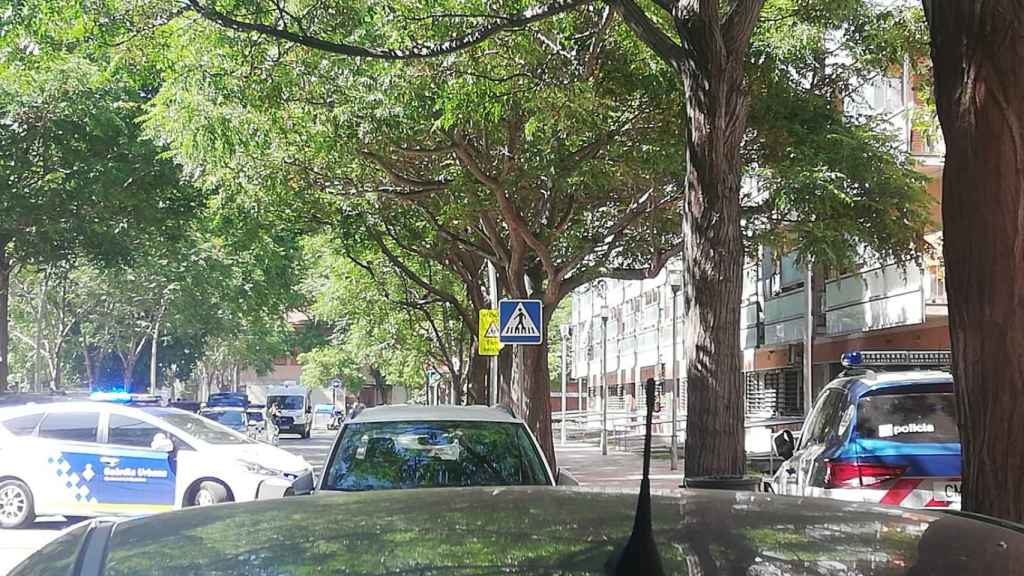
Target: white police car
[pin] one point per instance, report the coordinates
(97, 458)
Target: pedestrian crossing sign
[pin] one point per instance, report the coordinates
(489, 343)
(522, 321)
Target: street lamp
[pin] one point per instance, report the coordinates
(675, 281)
(566, 332)
(604, 380)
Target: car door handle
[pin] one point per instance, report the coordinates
(109, 461)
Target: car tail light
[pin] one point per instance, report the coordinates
(855, 475)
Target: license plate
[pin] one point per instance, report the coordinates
(946, 490)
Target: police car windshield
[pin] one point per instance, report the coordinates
(908, 418)
(204, 429)
(286, 402)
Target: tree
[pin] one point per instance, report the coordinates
(383, 325)
(977, 50)
(78, 179)
(468, 144)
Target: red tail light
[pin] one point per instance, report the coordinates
(854, 475)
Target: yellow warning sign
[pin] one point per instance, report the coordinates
(490, 342)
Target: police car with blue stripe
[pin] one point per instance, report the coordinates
(887, 437)
(100, 458)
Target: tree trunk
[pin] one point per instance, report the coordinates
(534, 377)
(90, 368)
(152, 358)
(477, 376)
(5, 283)
(129, 369)
(713, 256)
(977, 50)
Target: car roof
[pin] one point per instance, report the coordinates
(223, 409)
(860, 384)
(407, 412)
(554, 530)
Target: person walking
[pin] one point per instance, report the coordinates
(271, 423)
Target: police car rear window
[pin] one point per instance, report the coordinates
(908, 418)
(23, 425)
(70, 426)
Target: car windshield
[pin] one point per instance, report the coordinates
(229, 418)
(204, 429)
(286, 402)
(391, 455)
(908, 418)
(255, 416)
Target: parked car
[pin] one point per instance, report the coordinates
(407, 446)
(889, 438)
(233, 417)
(533, 531)
(98, 458)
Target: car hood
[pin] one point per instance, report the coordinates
(557, 530)
(264, 455)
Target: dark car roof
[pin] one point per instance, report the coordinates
(551, 530)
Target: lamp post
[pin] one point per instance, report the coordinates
(566, 332)
(675, 281)
(604, 380)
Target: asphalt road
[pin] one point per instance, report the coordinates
(15, 545)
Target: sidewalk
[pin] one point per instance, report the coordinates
(617, 470)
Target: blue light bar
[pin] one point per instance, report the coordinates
(110, 397)
(916, 358)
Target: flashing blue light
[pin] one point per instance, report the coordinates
(851, 359)
(111, 396)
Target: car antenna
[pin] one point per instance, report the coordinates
(639, 557)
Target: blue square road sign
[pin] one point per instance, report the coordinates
(521, 321)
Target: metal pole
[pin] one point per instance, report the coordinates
(675, 379)
(565, 333)
(604, 386)
(808, 342)
(492, 281)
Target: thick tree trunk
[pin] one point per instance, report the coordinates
(5, 283)
(713, 257)
(533, 377)
(977, 50)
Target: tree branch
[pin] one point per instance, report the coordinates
(649, 32)
(472, 38)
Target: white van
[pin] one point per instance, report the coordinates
(294, 402)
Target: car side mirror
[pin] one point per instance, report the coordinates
(161, 443)
(784, 444)
(563, 478)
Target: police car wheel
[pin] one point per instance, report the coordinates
(210, 493)
(17, 508)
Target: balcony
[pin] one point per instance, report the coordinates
(784, 317)
(883, 297)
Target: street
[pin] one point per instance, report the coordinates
(15, 545)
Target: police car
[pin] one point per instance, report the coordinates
(881, 437)
(98, 458)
